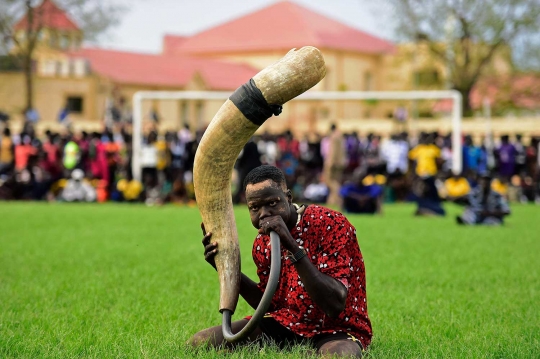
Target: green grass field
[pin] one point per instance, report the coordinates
(128, 281)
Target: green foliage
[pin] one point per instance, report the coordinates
(371, 102)
(95, 18)
(467, 36)
(10, 63)
(427, 78)
(128, 281)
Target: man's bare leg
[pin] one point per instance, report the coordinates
(340, 348)
(214, 336)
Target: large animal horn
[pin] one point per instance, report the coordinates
(221, 144)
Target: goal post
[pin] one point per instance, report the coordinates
(455, 96)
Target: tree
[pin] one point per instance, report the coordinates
(93, 17)
(466, 35)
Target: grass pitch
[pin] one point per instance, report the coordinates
(127, 281)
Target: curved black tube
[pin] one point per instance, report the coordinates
(275, 269)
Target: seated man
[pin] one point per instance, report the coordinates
(485, 205)
(316, 192)
(129, 188)
(500, 186)
(427, 198)
(361, 196)
(321, 295)
(77, 189)
(457, 189)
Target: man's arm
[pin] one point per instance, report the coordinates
(328, 293)
(248, 288)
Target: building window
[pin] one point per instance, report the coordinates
(77, 43)
(53, 39)
(80, 67)
(58, 70)
(368, 81)
(184, 113)
(64, 42)
(326, 81)
(49, 67)
(199, 110)
(75, 104)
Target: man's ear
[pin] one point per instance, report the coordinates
(289, 195)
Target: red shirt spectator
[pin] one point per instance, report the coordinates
(98, 159)
(288, 144)
(22, 154)
(52, 158)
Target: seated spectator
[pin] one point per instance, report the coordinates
(500, 186)
(130, 189)
(359, 197)
(7, 188)
(77, 190)
(178, 193)
(102, 189)
(370, 180)
(528, 189)
(485, 206)
(427, 198)
(316, 192)
(152, 190)
(456, 189)
(515, 190)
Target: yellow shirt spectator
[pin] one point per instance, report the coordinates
(426, 159)
(377, 179)
(6, 150)
(162, 155)
(130, 189)
(499, 187)
(457, 187)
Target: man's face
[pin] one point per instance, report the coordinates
(266, 199)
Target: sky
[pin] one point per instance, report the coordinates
(146, 21)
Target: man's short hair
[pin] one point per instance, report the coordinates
(263, 173)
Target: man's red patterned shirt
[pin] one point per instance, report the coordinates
(331, 244)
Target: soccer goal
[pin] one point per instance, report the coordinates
(453, 95)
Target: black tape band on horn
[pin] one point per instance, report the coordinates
(251, 102)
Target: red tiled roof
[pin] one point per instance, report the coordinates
(283, 26)
(220, 75)
(171, 43)
(521, 91)
(168, 71)
(48, 15)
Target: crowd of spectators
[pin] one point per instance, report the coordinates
(357, 173)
